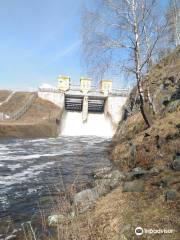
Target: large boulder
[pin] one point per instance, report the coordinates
(84, 199)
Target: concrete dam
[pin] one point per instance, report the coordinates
(86, 110)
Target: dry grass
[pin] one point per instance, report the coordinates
(38, 121)
(4, 94)
(15, 103)
(116, 215)
(148, 152)
(41, 110)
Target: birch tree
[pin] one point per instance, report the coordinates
(122, 32)
(173, 19)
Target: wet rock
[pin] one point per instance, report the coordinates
(176, 163)
(170, 195)
(133, 186)
(84, 199)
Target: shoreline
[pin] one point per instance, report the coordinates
(37, 130)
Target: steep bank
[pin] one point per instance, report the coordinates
(40, 121)
(136, 146)
(147, 185)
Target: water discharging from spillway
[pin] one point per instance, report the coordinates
(97, 124)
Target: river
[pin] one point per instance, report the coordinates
(32, 172)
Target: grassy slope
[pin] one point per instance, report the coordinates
(38, 121)
(15, 103)
(4, 94)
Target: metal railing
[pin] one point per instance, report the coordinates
(54, 90)
(120, 91)
(16, 115)
(8, 98)
(3, 116)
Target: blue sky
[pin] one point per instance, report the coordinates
(39, 40)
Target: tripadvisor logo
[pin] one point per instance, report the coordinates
(139, 231)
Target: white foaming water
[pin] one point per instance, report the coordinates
(24, 175)
(97, 125)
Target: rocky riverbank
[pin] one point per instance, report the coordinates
(143, 189)
(121, 201)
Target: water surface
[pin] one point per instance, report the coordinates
(32, 171)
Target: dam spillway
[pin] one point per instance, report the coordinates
(86, 109)
(84, 116)
(97, 124)
(75, 103)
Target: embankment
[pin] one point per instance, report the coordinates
(40, 121)
(144, 190)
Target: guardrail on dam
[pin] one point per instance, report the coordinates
(86, 98)
(74, 98)
(96, 102)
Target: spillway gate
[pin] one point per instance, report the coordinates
(75, 103)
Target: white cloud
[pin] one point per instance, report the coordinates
(70, 48)
(63, 53)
